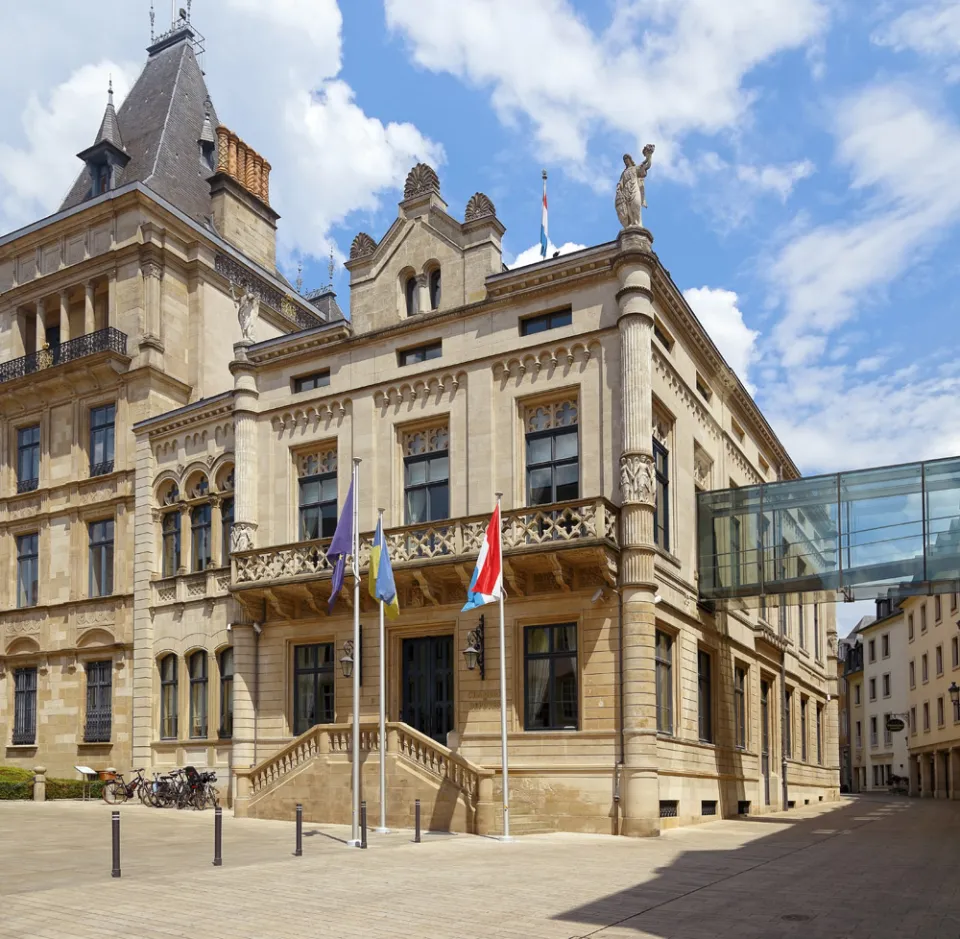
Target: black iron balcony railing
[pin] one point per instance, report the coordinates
(101, 469)
(27, 485)
(103, 340)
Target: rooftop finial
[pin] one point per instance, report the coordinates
(110, 91)
(153, 17)
(331, 266)
(300, 277)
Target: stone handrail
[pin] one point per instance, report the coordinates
(409, 744)
(457, 539)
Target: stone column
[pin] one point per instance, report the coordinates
(244, 686)
(112, 299)
(640, 786)
(39, 784)
(940, 761)
(186, 542)
(89, 320)
(64, 316)
(216, 529)
(955, 772)
(41, 324)
(245, 472)
(926, 783)
(423, 294)
(152, 276)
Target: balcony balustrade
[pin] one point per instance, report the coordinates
(103, 340)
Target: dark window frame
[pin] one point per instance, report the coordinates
(98, 720)
(28, 458)
(788, 723)
(411, 294)
(819, 719)
(434, 288)
(542, 322)
(169, 690)
(103, 438)
(803, 729)
(661, 525)
(705, 696)
(199, 698)
(415, 355)
(226, 658)
(170, 543)
(430, 487)
(227, 507)
(320, 379)
(663, 663)
(740, 706)
(554, 463)
(554, 718)
(25, 706)
(28, 570)
(101, 535)
(324, 684)
(323, 510)
(201, 537)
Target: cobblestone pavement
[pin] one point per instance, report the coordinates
(871, 867)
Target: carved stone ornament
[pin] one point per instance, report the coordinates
(549, 416)
(241, 536)
(702, 465)
(248, 310)
(422, 178)
(426, 440)
(317, 461)
(362, 246)
(631, 195)
(638, 479)
(479, 206)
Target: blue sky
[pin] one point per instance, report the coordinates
(805, 191)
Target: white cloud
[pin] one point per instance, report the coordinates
(929, 29)
(776, 179)
(531, 255)
(718, 313)
(871, 363)
(664, 68)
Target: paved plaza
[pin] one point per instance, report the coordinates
(870, 867)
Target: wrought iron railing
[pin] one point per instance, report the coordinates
(101, 469)
(103, 340)
(523, 529)
(97, 728)
(27, 485)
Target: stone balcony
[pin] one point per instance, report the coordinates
(109, 342)
(558, 547)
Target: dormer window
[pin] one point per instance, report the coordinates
(101, 178)
(435, 289)
(107, 157)
(412, 296)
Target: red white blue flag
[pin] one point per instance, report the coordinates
(487, 583)
(543, 219)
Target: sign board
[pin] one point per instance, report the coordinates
(895, 724)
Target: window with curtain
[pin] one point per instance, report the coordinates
(28, 564)
(200, 525)
(226, 527)
(168, 697)
(661, 509)
(426, 475)
(101, 558)
(102, 434)
(550, 677)
(313, 675)
(28, 458)
(97, 725)
(704, 696)
(664, 666)
(552, 452)
(318, 494)
(171, 543)
(197, 666)
(226, 693)
(24, 706)
(740, 706)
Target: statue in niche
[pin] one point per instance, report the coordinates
(631, 193)
(248, 310)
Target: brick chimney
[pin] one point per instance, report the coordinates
(240, 189)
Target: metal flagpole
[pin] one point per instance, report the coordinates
(383, 707)
(503, 692)
(355, 834)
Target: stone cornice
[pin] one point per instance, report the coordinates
(202, 411)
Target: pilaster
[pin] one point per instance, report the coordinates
(64, 315)
(89, 321)
(244, 534)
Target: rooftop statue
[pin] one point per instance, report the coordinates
(248, 310)
(630, 198)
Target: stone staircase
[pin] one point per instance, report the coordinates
(315, 771)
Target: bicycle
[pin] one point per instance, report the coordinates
(116, 791)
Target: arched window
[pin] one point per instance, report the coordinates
(197, 665)
(435, 289)
(412, 295)
(200, 520)
(171, 543)
(226, 693)
(168, 697)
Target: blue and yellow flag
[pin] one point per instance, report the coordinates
(382, 586)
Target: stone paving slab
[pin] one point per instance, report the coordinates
(868, 868)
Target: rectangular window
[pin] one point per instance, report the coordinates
(788, 725)
(801, 627)
(859, 735)
(553, 454)
(803, 729)
(913, 674)
(171, 543)
(738, 431)
(200, 525)
(913, 720)
(873, 650)
(926, 715)
(168, 697)
(873, 689)
(955, 653)
(856, 694)
(953, 600)
(312, 686)
(550, 677)
(885, 645)
(426, 476)
(924, 673)
(940, 712)
(310, 382)
(197, 663)
(432, 350)
(24, 707)
(226, 694)
(661, 510)
(96, 728)
(664, 664)
(887, 735)
(28, 458)
(939, 659)
(28, 562)
(937, 608)
(740, 706)
(661, 335)
(873, 732)
(820, 734)
(102, 434)
(101, 558)
(910, 627)
(704, 697)
(318, 502)
(923, 618)
(703, 389)
(545, 321)
(886, 685)
(226, 528)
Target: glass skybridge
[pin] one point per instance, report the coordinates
(868, 534)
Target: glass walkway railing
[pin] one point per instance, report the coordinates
(868, 534)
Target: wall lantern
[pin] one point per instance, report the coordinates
(954, 690)
(348, 660)
(474, 650)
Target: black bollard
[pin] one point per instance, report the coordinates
(299, 851)
(218, 837)
(416, 813)
(116, 844)
(363, 824)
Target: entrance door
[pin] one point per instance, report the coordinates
(428, 685)
(765, 739)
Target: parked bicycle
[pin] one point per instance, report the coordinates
(184, 788)
(116, 790)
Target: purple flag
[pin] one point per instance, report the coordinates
(340, 547)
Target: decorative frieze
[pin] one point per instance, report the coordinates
(435, 389)
(311, 416)
(241, 276)
(317, 461)
(545, 362)
(551, 415)
(425, 440)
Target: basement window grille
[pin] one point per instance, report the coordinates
(743, 808)
(669, 808)
(708, 807)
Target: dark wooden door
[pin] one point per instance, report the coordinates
(428, 685)
(765, 739)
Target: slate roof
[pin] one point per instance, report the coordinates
(109, 128)
(325, 300)
(160, 124)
